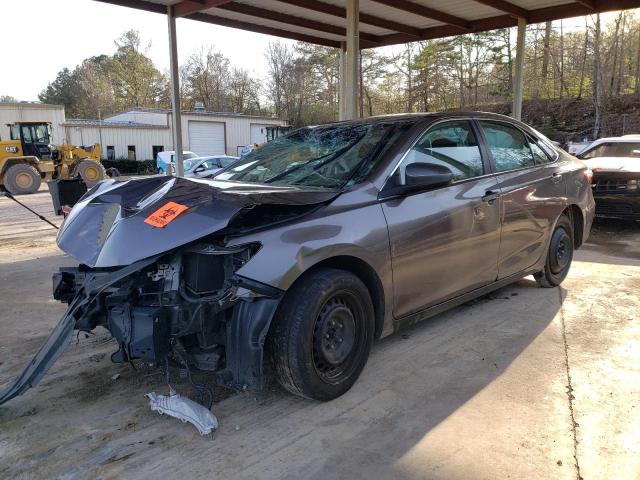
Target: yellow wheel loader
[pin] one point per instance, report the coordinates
(28, 158)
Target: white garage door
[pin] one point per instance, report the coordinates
(258, 134)
(206, 138)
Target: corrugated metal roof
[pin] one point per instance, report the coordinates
(83, 122)
(30, 105)
(382, 22)
(190, 112)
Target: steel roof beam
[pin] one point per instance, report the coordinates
(187, 7)
(506, 7)
(367, 39)
(336, 11)
(427, 12)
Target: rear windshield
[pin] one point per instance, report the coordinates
(329, 157)
(613, 149)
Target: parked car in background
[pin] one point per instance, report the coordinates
(315, 244)
(615, 163)
(203, 167)
(575, 148)
(166, 159)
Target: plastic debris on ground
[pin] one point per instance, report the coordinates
(184, 409)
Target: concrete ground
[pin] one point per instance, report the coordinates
(526, 383)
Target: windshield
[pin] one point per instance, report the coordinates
(189, 164)
(32, 133)
(613, 149)
(327, 157)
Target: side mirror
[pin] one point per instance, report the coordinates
(419, 176)
(199, 169)
(426, 175)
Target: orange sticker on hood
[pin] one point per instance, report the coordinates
(165, 214)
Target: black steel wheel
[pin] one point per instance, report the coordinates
(559, 255)
(322, 334)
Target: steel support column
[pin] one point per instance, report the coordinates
(518, 81)
(175, 92)
(353, 59)
(342, 76)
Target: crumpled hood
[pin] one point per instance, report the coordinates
(613, 164)
(107, 228)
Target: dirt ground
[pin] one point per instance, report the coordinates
(526, 383)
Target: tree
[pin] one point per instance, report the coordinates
(597, 78)
(64, 90)
(8, 99)
(135, 79)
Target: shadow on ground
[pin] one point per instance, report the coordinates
(81, 422)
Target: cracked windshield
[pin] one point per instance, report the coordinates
(329, 157)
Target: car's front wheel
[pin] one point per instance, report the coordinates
(559, 255)
(322, 334)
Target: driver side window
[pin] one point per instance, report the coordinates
(452, 144)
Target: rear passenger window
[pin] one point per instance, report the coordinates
(508, 146)
(539, 154)
(452, 144)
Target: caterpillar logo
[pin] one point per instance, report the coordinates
(11, 149)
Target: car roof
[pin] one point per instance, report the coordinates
(420, 116)
(623, 139)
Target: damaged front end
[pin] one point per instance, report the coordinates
(187, 308)
(168, 295)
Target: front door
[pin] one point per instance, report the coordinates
(445, 241)
(533, 190)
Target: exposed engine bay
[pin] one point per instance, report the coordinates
(169, 296)
(186, 309)
(179, 303)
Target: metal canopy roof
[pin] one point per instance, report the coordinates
(382, 22)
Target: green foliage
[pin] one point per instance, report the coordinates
(64, 90)
(107, 84)
(135, 80)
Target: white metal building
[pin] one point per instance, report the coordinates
(205, 133)
(140, 133)
(32, 112)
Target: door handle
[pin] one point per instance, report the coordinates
(490, 196)
(556, 177)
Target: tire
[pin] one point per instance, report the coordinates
(22, 179)
(559, 255)
(91, 172)
(322, 334)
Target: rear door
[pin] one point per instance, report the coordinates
(445, 241)
(532, 193)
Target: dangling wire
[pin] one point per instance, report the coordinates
(201, 388)
(166, 367)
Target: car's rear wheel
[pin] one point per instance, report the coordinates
(322, 334)
(559, 255)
